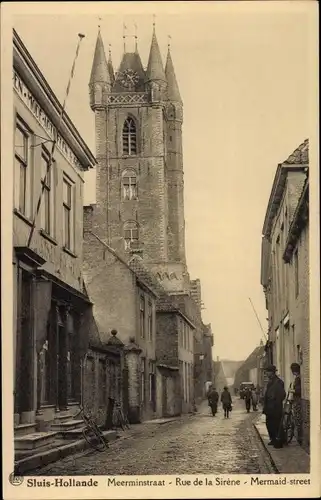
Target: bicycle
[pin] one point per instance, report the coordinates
(120, 418)
(288, 423)
(92, 433)
(287, 427)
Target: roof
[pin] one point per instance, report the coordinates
(144, 275)
(251, 361)
(298, 160)
(300, 156)
(172, 85)
(130, 60)
(155, 68)
(29, 70)
(111, 68)
(99, 71)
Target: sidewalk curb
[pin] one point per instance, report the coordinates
(50, 456)
(266, 449)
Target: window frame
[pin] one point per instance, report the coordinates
(150, 321)
(129, 187)
(129, 137)
(296, 273)
(151, 366)
(24, 167)
(68, 208)
(142, 379)
(142, 313)
(130, 228)
(47, 193)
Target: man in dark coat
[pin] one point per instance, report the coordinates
(273, 403)
(248, 399)
(226, 401)
(213, 398)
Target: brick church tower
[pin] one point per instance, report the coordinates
(139, 184)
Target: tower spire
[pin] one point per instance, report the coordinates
(155, 68)
(172, 85)
(99, 70)
(100, 82)
(110, 65)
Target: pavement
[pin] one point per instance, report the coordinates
(289, 459)
(191, 444)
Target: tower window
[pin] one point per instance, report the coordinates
(129, 185)
(130, 234)
(129, 137)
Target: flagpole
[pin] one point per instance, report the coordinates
(259, 322)
(54, 142)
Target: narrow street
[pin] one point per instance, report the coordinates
(190, 445)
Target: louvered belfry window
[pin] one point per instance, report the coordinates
(129, 137)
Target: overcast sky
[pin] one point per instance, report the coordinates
(244, 74)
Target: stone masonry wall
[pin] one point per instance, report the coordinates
(167, 338)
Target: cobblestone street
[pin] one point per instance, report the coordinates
(192, 444)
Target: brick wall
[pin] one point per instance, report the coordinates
(150, 209)
(167, 338)
(102, 378)
(111, 287)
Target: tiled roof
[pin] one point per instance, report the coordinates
(144, 275)
(300, 156)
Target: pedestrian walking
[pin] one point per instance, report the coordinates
(296, 403)
(273, 404)
(248, 399)
(226, 401)
(254, 399)
(213, 398)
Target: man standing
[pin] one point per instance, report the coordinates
(273, 403)
(296, 393)
(213, 397)
(254, 399)
(226, 401)
(247, 399)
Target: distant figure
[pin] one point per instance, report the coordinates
(296, 405)
(213, 398)
(254, 399)
(273, 404)
(248, 399)
(226, 401)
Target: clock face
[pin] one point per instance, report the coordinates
(129, 78)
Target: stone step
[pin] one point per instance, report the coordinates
(78, 434)
(24, 429)
(66, 426)
(75, 433)
(34, 440)
(62, 418)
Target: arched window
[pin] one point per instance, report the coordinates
(129, 137)
(129, 185)
(130, 234)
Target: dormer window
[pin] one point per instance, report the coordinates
(129, 137)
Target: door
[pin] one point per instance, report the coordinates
(164, 395)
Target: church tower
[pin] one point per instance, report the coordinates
(139, 183)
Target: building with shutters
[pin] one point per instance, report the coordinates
(51, 310)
